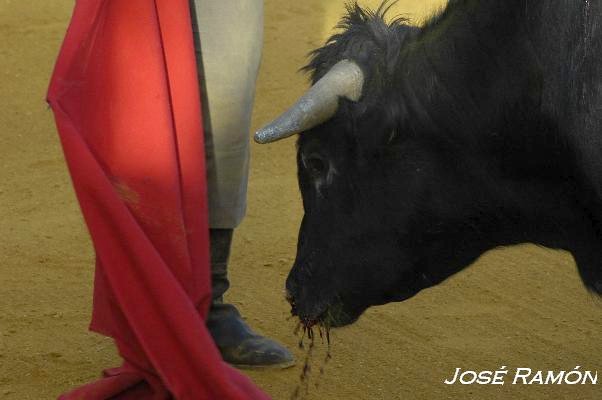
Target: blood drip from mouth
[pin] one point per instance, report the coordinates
(302, 388)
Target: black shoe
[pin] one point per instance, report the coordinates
(242, 347)
(238, 344)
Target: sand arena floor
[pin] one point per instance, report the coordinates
(519, 307)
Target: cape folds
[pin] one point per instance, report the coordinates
(126, 101)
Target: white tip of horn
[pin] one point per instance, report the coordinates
(318, 104)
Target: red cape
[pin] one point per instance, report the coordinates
(126, 101)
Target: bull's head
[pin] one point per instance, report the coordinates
(389, 209)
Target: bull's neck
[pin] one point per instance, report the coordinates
(472, 79)
(543, 212)
(464, 65)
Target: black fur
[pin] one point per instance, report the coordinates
(480, 129)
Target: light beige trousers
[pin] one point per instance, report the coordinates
(228, 41)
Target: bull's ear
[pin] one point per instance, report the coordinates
(318, 104)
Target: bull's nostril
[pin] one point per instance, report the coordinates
(289, 297)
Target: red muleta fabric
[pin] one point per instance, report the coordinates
(126, 102)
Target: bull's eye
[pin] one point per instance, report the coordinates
(315, 165)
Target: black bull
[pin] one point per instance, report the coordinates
(428, 146)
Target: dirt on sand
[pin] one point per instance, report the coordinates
(518, 307)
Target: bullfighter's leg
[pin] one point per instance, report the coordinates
(228, 41)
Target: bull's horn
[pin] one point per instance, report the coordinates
(318, 104)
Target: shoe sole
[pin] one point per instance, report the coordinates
(283, 365)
